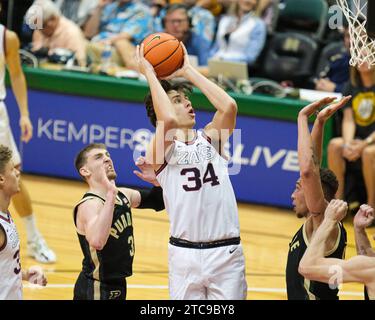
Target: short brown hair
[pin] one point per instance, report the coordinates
(81, 157)
(5, 157)
(167, 86)
(329, 183)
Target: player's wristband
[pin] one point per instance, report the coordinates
(152, 199)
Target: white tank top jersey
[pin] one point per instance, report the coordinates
(198, 193)
(2, 63)
(10, 268)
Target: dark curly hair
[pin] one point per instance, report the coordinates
(5, 157)
(167, 86)
(329, 183)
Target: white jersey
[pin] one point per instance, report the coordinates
(10, 268)
(2, 62)
(198, 194)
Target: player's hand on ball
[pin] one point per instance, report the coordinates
(143, 65)
(181, 72)
(26, 128)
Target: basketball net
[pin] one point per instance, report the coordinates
(362, 47)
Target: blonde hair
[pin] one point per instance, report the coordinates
(355, 76)
(234, 9)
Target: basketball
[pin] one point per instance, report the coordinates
(164, 52)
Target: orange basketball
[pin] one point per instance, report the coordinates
(164, 52)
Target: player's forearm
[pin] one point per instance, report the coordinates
(18, 83)
(306, 156)
(217, 96)
(317, 139)
(99, 232)
(362, 243)
(314, 253)
(162, 105)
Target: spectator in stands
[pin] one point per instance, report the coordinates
(177, 23)
(78, 11)
(358, 131)
(241, 35)
(57, 31)
(336, 74)
(202, 20)
(122, 24)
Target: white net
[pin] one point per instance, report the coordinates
(362, 47)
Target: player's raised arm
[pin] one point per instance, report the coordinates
(308, 155)
(322, 117)
(165, 113)
(94, 218)
(226, 106)
(18, 83)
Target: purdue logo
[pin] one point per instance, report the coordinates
(120, 225)
(114, 294)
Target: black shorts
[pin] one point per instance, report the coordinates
(89, 289)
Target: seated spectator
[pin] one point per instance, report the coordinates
(78, 11)
(241, 35)
(122, 24)
(336, 75)
(358, 131)
(57, 32)
(203, 20)
(177, 23)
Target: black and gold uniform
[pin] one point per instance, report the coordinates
(299, 288)
(104, 272)
(363, 106)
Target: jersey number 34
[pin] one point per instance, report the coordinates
(194, 175)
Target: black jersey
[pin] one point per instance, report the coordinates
(115, 261)
(299, 288)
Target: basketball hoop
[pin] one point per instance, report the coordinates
(362, 47)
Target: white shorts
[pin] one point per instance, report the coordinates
(207, 274)
(6, 136)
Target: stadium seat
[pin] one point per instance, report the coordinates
(290, 56)
(306, 16)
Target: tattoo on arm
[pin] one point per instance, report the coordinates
(314, 157)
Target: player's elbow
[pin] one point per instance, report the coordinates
(305, 269)
(97, 245)
(307, 169)
(231, 106)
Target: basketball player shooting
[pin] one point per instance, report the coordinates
(206, 259)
